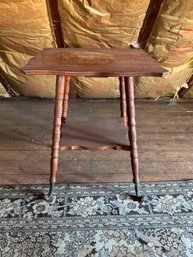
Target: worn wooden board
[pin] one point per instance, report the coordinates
(164, 153)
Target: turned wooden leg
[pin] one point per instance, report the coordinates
(66, 97)
(58, 110)
(123, 102)
(129, 82)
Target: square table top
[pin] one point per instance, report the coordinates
(93, 62)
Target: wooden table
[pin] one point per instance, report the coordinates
(94, 134)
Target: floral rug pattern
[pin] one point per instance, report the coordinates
(98, 220)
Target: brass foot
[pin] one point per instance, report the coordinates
(135, 197)
(49, 197)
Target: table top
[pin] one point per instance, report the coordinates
(97, 62)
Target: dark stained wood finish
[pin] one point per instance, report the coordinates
(164, 143)
(58, 111)
(94, 133)
(123, 102)
(99, 63)
(66, 98)
(53, 8)
(129, 83)
(93, 62)
(149, 21)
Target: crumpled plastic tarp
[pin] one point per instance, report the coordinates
(25, 30)
(3, 91)
(168, 85)
(171, 40)
(171, 43)
(100, 23)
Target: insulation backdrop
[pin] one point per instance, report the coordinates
(171, 43)
(25, 30)
(27, 27)
(100, 24)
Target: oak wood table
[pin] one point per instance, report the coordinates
(94, 134)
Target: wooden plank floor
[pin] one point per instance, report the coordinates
(165, 143)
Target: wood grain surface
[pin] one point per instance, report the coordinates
(165, 139)
(98, 62)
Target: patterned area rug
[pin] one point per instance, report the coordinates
(97, 220)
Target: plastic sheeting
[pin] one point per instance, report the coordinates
(171, 43)
(168, 85)
(96, 87)
(100, 23)
(171, 40)
(3, 91)
(24, 31)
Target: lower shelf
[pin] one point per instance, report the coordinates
(94, 134)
